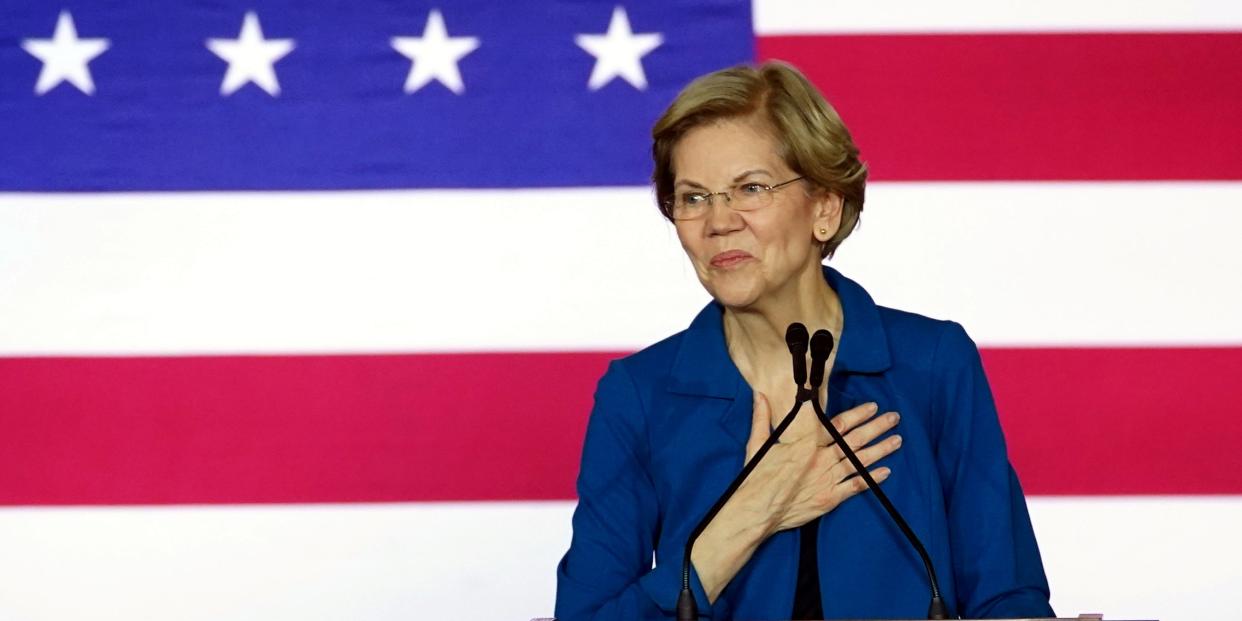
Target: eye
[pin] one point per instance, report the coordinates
(753, 188)
(691, 199)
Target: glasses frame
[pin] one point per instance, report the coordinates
(670, 201)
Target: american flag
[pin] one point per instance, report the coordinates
(302, 304)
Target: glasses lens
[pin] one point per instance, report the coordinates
(689, 205)
(749, 196)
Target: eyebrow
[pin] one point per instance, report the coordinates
(695, 184)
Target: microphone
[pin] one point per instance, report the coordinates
(796, 339)
(821, 348)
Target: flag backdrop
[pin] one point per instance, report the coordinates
(302, 304)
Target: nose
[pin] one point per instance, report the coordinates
(721, 218)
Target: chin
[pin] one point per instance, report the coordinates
(734, 293)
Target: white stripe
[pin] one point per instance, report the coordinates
(1168, 558)
(1017, 263)
(274, 563)
(1058, 263)
(779, 17)
(344, 271)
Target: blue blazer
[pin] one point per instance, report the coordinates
(668, 434)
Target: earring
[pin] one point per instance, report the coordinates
(823, 231)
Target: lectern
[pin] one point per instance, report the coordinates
(1082, 617)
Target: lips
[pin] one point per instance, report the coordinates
(730, 258)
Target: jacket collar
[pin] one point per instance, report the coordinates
(703, 367)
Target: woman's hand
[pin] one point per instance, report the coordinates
(796, 482)
(801, 480)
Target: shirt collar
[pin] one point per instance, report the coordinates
(702, 365)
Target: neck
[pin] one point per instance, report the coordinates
(756, 334)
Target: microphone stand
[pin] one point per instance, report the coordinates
(821, 347)
(796, 339)
(687, 609)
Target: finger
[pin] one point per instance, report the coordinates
(863, 434)
(851, 418)
(829, 497)
(856, 484)
(867, 456)
(760, 424)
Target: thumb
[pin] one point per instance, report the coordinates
(760, 425)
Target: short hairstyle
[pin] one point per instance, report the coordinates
(811, 138)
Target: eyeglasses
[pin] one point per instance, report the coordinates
(747, 196)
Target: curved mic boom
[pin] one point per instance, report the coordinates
(821, 348)
(795, 337)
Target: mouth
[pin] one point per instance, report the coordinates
(730, 258)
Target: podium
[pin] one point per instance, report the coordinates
(1081, 617)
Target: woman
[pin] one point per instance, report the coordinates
(763, 181)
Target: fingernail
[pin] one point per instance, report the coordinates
(873, 407)
(893, 417)
(882, 474)
(896, 441)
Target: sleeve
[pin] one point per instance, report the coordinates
(607, 572)
(996, 564)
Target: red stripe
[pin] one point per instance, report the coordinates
(292, 428)
(1033, 106)
(421, 427)
(1121, 421)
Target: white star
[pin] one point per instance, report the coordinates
(619, 52)
(65, 57)
(434, 55)
(250, 57)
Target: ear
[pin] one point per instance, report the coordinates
(827, 215)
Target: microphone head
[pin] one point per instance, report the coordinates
(796, 337)
(821, 344)
(821, 347)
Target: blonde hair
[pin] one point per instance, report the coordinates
(812, 140)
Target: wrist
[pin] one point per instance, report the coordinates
(724, 548)
(750, 519)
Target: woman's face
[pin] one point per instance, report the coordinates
(745, 257)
